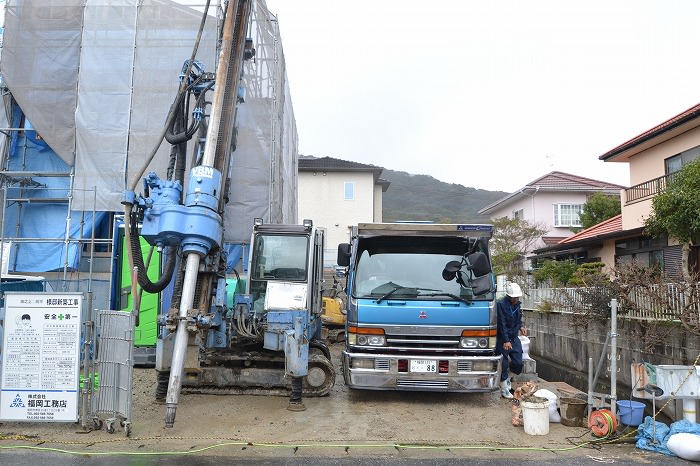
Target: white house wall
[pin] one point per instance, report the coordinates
(606, 255)
(318, 190)
(538, 209)
(378, 206)
(633, 215)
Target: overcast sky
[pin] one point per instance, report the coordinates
(488, 94)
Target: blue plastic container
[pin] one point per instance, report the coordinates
(631, 412)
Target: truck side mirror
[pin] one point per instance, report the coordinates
(478, 263)
(482, 285)
(450, 271)
(343, 259)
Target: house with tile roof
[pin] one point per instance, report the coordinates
(653, 157)
(590, 245)
(553, 202)
(337, 194)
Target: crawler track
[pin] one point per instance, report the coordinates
(317, 383)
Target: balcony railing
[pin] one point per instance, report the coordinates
(648, 189)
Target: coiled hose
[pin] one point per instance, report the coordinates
(602, 422)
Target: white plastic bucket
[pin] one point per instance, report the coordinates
(535, 415)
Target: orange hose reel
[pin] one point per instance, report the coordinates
(602, 422)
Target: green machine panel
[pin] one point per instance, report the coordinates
(146, 331)
(234, 286)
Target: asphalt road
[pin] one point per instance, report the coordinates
(27, 458)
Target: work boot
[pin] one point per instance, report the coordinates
(505, 389)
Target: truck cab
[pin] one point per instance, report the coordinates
(421, 308)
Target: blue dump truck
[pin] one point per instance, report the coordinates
(421, 309)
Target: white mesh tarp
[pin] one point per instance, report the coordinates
(96, 78)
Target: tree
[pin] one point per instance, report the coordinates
(588, 273)
(599, 207)
(676, 210)
(512, 240)
(555, 273)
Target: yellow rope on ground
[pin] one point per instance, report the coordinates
(295, 446)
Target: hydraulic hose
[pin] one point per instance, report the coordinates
(142, 276)
(184, 133)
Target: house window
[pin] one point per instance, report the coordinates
(349, 191)
(519, 214)
(567, 215)
(675, 163)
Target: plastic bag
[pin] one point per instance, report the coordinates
(685, 445)
(554, 415)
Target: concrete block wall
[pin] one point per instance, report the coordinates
(562, 351)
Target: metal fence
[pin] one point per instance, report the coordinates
(652, 302)
(112, 401)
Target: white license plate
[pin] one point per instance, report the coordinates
(423, 365)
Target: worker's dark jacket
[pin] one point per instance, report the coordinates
(510, 319)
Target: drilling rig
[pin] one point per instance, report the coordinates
(269, 341)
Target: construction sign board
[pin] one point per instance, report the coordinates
(41, 357)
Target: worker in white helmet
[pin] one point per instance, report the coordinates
(510, 326)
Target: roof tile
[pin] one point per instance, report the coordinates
(552, 240)
(611, 225)
(683, 117)
(563, 180)
(309, 162)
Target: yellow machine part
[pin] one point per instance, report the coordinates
(332, 311)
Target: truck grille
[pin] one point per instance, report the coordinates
(423, 342)
(418, 383)
(381, 364)
(464, 366)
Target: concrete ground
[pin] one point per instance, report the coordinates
(347, 423)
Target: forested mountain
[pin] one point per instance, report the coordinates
(422, 197)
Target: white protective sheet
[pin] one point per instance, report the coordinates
(97, 79)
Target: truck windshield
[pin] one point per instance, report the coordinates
(280, 257)
(406, 270)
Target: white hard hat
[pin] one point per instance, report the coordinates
(513, 290)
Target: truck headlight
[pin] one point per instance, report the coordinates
(482, 366)
(366, 336)
(362, 363)
(474, 343)
(371, 340)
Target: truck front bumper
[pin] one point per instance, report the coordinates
(452, 374)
